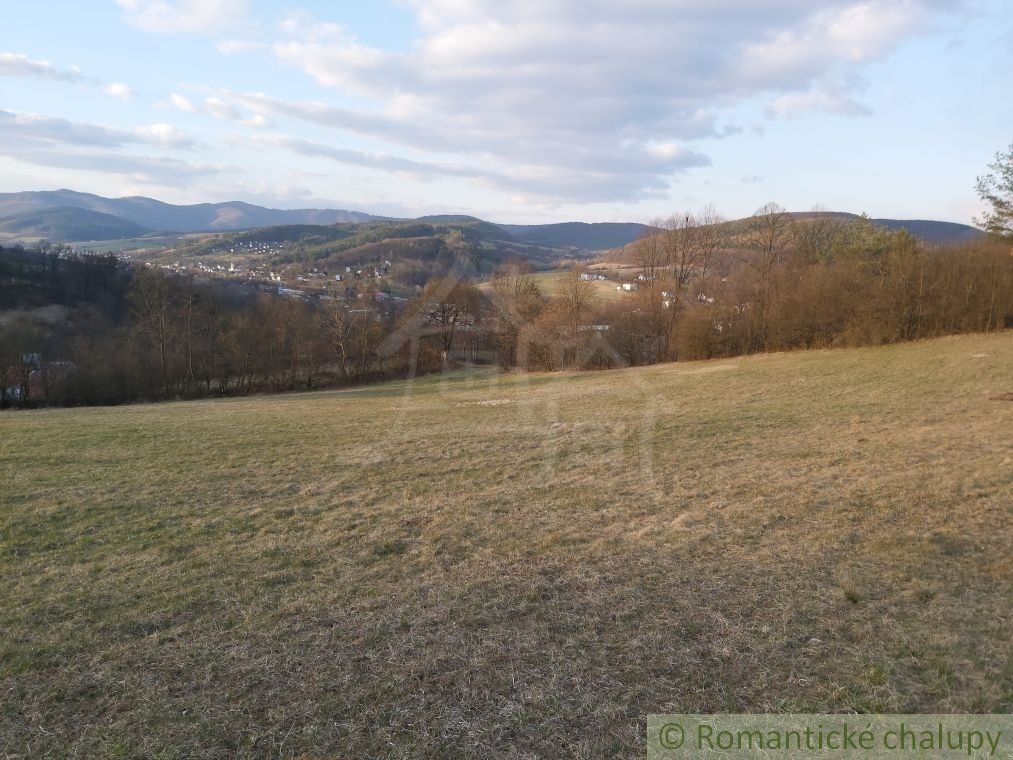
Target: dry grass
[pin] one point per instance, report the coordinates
(550, 283)
(523, 565)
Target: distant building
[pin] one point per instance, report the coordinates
(33, 379)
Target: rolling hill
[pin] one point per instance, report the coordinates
(597, 236)
(139, 214)
(166, 217)
(418, 249)
(70, 224)
(929, 230)
(942, 233)
(481, 564)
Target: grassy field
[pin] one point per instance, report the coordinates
(549, 284)
(483, 565)
(133, 244)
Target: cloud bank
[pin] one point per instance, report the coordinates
(586, 100)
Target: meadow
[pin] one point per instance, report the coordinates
(550, 283)
(484, 564)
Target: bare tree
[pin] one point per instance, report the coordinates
(447, 305)
(690, 242)
(769, 238)
(768, 241)
(516, 302)
(996, 189)
(152, 299)
(653, 251)
(338, 324)
(575, 298)
(818, 234)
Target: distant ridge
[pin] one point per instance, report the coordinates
(70, 216)
(595, 236)
(166, 217)
(941, 233)
(75, 224)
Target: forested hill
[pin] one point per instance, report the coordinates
(598, 236)
(69, 216)
(65, 223)
(166, 217)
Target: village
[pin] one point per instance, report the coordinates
(291, 280)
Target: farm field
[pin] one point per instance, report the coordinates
(135, 245)
(549, 283)
(491, 565)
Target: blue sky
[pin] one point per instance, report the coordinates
(528, 111)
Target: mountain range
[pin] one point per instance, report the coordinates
(150, 215)
(70, 216)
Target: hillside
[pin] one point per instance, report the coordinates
(598, 236)
(942, 233)
(151, 214)
(732, 232)
(489, 565)
(76, 224)
(166, 217)
(931, 231)
(418, 249)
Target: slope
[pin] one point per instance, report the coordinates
(70, 224)
(166, 217)
(505, 565)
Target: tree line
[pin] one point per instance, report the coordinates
(777, 282)
(133, 333)
(704, 288)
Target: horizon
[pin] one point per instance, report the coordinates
(532, 114)
(480, 218)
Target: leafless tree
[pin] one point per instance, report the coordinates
(154, 310)
(690, 242)
(996, 189)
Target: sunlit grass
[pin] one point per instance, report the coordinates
(494, 564)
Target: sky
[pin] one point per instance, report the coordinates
(527, 111)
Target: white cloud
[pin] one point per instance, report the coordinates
(119, 90)
(795, 104)
(258, 121)
(151, 170)
(20, 65)
(221, 109)
(588, 98)
(54, 142)
(189, 16)
(383, 161)
(164, 136)
(536, 182)
(15, 126)
(182, 103)
(39, 128)
(854, 33)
